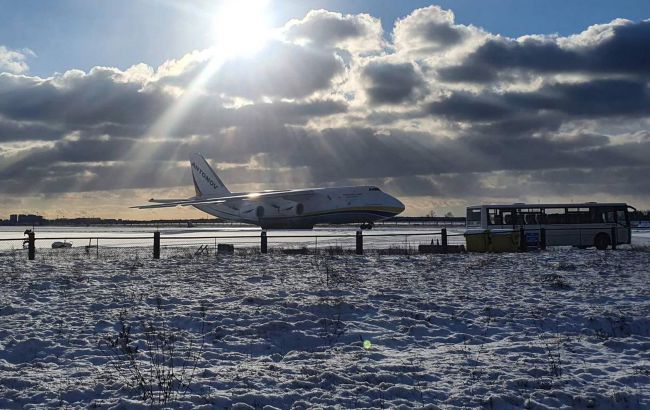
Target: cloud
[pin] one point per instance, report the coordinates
(461, 106)
(78, 98)
(357, 33)
(441, 110)
(546, 105)
(14, 61)
(392, 83)
(432, 30)
(619, 47)
(280, 69)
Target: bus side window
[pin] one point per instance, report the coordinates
(620, 217)
(519, 218)
(492, 213)
(610, 216)
(596, 215)
(507, 216)
(555, 216)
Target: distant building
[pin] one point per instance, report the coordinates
(29, 220)
(13, 219)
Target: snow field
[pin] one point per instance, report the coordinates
(561, 328)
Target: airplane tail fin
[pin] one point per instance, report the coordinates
(206, 181)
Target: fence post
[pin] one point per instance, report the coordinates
(614, 238)
(443, 233)
(522, 239)
(263, 244)
(156, 245)
(542, 239)
(31, 245)
(359, 247)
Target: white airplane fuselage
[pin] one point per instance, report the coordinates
(340, 205)
(285, 209)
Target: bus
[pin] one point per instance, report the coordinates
(581, 225)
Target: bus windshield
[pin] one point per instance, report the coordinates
(473, 217)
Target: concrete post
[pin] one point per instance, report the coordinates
(31, 249)
(359, 247)
(443, 234)
(156, 245)
(263, 244)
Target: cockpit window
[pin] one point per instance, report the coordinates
(374, 188)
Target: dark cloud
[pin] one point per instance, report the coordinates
(101, 103)
(430, 30)
(79, 99)
(322, 157)
(588, 99)
(624, 51)
(412, 186)
(547, 107)
(326, 28)
(11, 130)
(472, 108)
(279, 70)
(390, 83)
(303, 119)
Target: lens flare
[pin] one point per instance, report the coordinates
(241, 27)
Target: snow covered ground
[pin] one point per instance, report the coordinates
(561, 328)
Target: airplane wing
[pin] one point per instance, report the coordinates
(291, 195)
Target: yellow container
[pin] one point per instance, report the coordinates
(504, 241)
(477, 241)
(492, 241)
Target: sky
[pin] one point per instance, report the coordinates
(442, 104)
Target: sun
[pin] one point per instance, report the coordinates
(241, 26)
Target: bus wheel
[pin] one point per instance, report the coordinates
(601, 241)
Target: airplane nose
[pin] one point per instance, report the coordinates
(399, 205)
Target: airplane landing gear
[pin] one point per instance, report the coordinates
(367, 225)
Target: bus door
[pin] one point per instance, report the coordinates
(623, 230)
(530, 219)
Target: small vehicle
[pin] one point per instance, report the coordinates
(61, 245)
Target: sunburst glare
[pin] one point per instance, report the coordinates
(241, 27)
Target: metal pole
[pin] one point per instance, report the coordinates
(542, 239)
(31, 245)
(614, 239)
(97, 247)
(443, 233)
(264, 244)
(359, 247)
(156, 245)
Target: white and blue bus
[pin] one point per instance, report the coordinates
(582, 225)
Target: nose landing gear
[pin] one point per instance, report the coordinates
(367, 225)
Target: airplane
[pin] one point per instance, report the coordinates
(284, 209)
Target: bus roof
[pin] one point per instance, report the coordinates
(575, 205)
